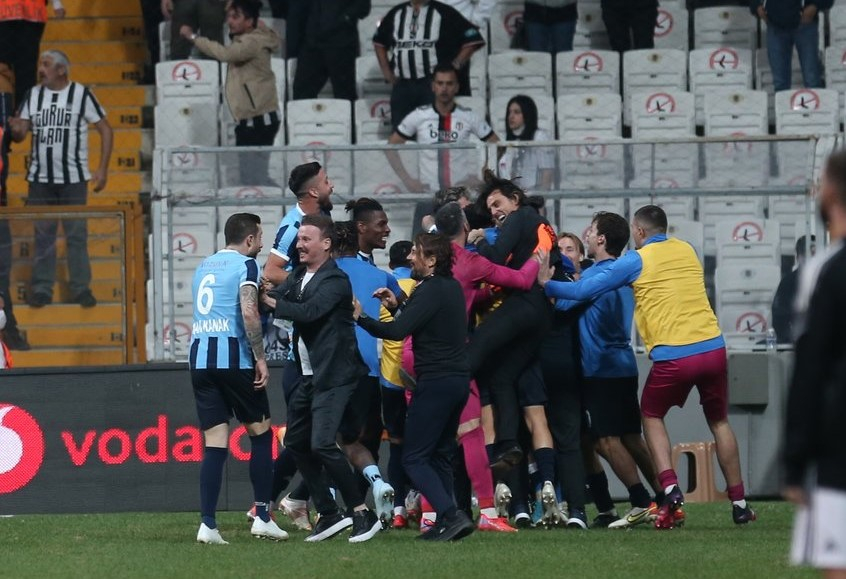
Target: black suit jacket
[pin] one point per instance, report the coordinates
(322, 316)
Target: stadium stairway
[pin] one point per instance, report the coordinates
(104, 40)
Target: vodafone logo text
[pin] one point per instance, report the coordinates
(21, 448)
(160, 443)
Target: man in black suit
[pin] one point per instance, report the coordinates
(318, 299)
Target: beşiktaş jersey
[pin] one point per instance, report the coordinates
(285, 242)
(440, 168)
(60, 119)
(218, 336)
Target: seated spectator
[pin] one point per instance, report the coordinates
(530, 168)
(782, 307)
(550, 25)
(792, 23)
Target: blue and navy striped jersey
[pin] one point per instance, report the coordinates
(285, 242)
(218, 337)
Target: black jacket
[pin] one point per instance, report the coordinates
(816, 403)
(334, 23)
(787, 13)
(322, 316)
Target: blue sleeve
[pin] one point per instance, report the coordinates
(285, 242)
(564, 305)
(393, 284)
(252, 272)
(624, 271)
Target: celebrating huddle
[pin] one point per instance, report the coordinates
(502, 374)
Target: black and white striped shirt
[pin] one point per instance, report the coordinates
(423, 38)
(60, 119)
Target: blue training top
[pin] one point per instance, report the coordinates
(605, 330)
(366, 279)
(218, 337)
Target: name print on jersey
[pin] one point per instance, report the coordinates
(52, 124)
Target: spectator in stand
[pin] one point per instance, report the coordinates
(250, 84)
(21, 26)
(786, 293)
(151, 13)
(295, 14)
(207, 16)
(422, 35)
(792, 23)
(329, 48)
(530, 168)
(478, 12)
(550, 25)
(630, 23)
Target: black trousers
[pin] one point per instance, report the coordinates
(151, 13)
(430, 436)
(560, 365)
(314, 416)
(630, 23)
(316, 64)
(502, 347)
(20, 42)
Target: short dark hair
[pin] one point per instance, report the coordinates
(652, 217)
(835, 171)
(346, 238)
(449, 195)
(616, 230)
(239, 226)
(301, 175)
(444, 67)
(251, 9)
(505, 186)
(323, 223)
(361, 208)
(398, 254)
(450, 220)
(439, 246)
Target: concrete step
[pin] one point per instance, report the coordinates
(133, 182)
(94, 335)
(87, 52)
(99, 246)
(108, 73)
(126, 28)
(79, 356)
(121, 160)
(98, 8)
(111, 96)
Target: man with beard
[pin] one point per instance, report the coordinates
(229, 373)
(318, 299)
(312, 187)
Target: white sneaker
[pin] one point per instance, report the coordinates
(298, 512)
(636, 516)
(383, 499)
(551, 513)
(209, 536)
(502, 499)
(268, 530)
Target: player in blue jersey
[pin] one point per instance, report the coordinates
(365, 280)
(312, 187)
(318, 299)
(229, 373)
(609, 369)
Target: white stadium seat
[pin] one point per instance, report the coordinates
(504, 21)
(724, 26)
(597, 115)
(671, 27)
(372, 120)
(744, 295)
(835, 72)
(652, 70)
(519, 72)
(748, 241)
(590, 29)
(592, 71)
(714, 70)
(369, 79)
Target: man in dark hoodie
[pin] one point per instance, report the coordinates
(330, 45)
(250, 83)
(792, 23)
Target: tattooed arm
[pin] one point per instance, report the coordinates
(252, 325)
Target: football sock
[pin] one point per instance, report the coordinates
(261, 471)
(668, 479)
(638, 496)
(284, 469)
(396, 474)
(737, 494)
(211, 478)
(545, 457)
(598, 484)
(477, 465)
(371, 473)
